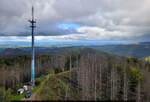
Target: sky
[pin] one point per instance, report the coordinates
(76, 20)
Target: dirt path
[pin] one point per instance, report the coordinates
(32, 98)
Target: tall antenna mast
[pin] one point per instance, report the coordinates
(32, 21)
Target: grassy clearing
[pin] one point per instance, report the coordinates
(58, 87)
(52, 89)
(18, 97)
(51, 84)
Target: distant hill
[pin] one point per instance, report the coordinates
(138, 51)
(48, 51)
(144, 43)
(134, 50)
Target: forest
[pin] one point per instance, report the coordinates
(93, 75)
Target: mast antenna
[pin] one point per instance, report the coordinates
(33, 22)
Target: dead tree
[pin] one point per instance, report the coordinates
(100, 81)
(78, 71)
(125, 86)
(95, 77)
(112, 84)
(68, 89)
(139, 92)
(70, 76)
(3, 77)
(86, 77)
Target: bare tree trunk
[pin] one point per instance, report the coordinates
(70, 76)
(95, 76)
(3, 77)
(67, 96)
(78, 73)
(100, 81)
(108, 78)
(112, 84)
(139, 92)
(115, 82)
(95, 87)
(125, 92)
(86, 86)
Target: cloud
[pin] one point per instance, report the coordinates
(98, 19)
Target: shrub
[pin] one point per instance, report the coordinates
(5, 96)
(52, 71)
(37, 81)
(2, 94)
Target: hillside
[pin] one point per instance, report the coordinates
(66, 86)
(56, 87)
(66, 51)
(92, 71)
(137, 51)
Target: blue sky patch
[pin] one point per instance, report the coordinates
(68, 26)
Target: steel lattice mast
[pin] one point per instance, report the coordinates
(32, 21)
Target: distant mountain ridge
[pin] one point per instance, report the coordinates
(132, 50)
(145, 43)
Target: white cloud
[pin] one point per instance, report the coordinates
(99, 19)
